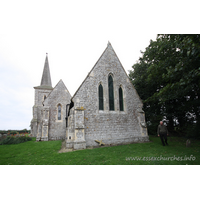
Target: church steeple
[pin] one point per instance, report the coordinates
(46, 77)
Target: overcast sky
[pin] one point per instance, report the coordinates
(74, 34)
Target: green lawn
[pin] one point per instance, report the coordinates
(46, 153)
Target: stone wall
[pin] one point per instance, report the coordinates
(112, 127)
(59, 96)
(36, 122)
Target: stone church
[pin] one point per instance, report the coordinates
(105, 108)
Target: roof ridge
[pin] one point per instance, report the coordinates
(108, 45)
(60, 81)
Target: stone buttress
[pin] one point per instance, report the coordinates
(75, 134)
(122, 123)
(106, 108)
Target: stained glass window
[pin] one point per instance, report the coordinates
(100, 97)
(59, 112)
(111, 93)
(121, 104)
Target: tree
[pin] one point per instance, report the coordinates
(167, 78)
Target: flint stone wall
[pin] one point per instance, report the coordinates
(59, 95)
(112, 127)
(36, 123)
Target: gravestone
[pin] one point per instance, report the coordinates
(188, 143)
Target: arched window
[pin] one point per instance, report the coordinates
(59, 112)
(45, 97)
(100, 97)
(111, 93)
(121, 103)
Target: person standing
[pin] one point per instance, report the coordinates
(162, 132)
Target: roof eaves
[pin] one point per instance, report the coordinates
(46, 87)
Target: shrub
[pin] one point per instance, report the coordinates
(3, 132)
(15, 140)
(13, 132)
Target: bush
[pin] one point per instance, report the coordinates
(13, 132)
(193, 131)
(15, 140)
(3, 132)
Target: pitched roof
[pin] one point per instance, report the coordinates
(109, 45)
(46, 77)
(59, 83)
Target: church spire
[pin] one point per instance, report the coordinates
(46, 78)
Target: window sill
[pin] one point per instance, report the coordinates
(111, 112)
(59, 120)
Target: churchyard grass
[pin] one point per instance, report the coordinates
(151, 153)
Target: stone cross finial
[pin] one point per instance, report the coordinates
(100, 142)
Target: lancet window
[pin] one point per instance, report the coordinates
(111, 93)
(121, 103)
(59, 112)
(101, 107)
